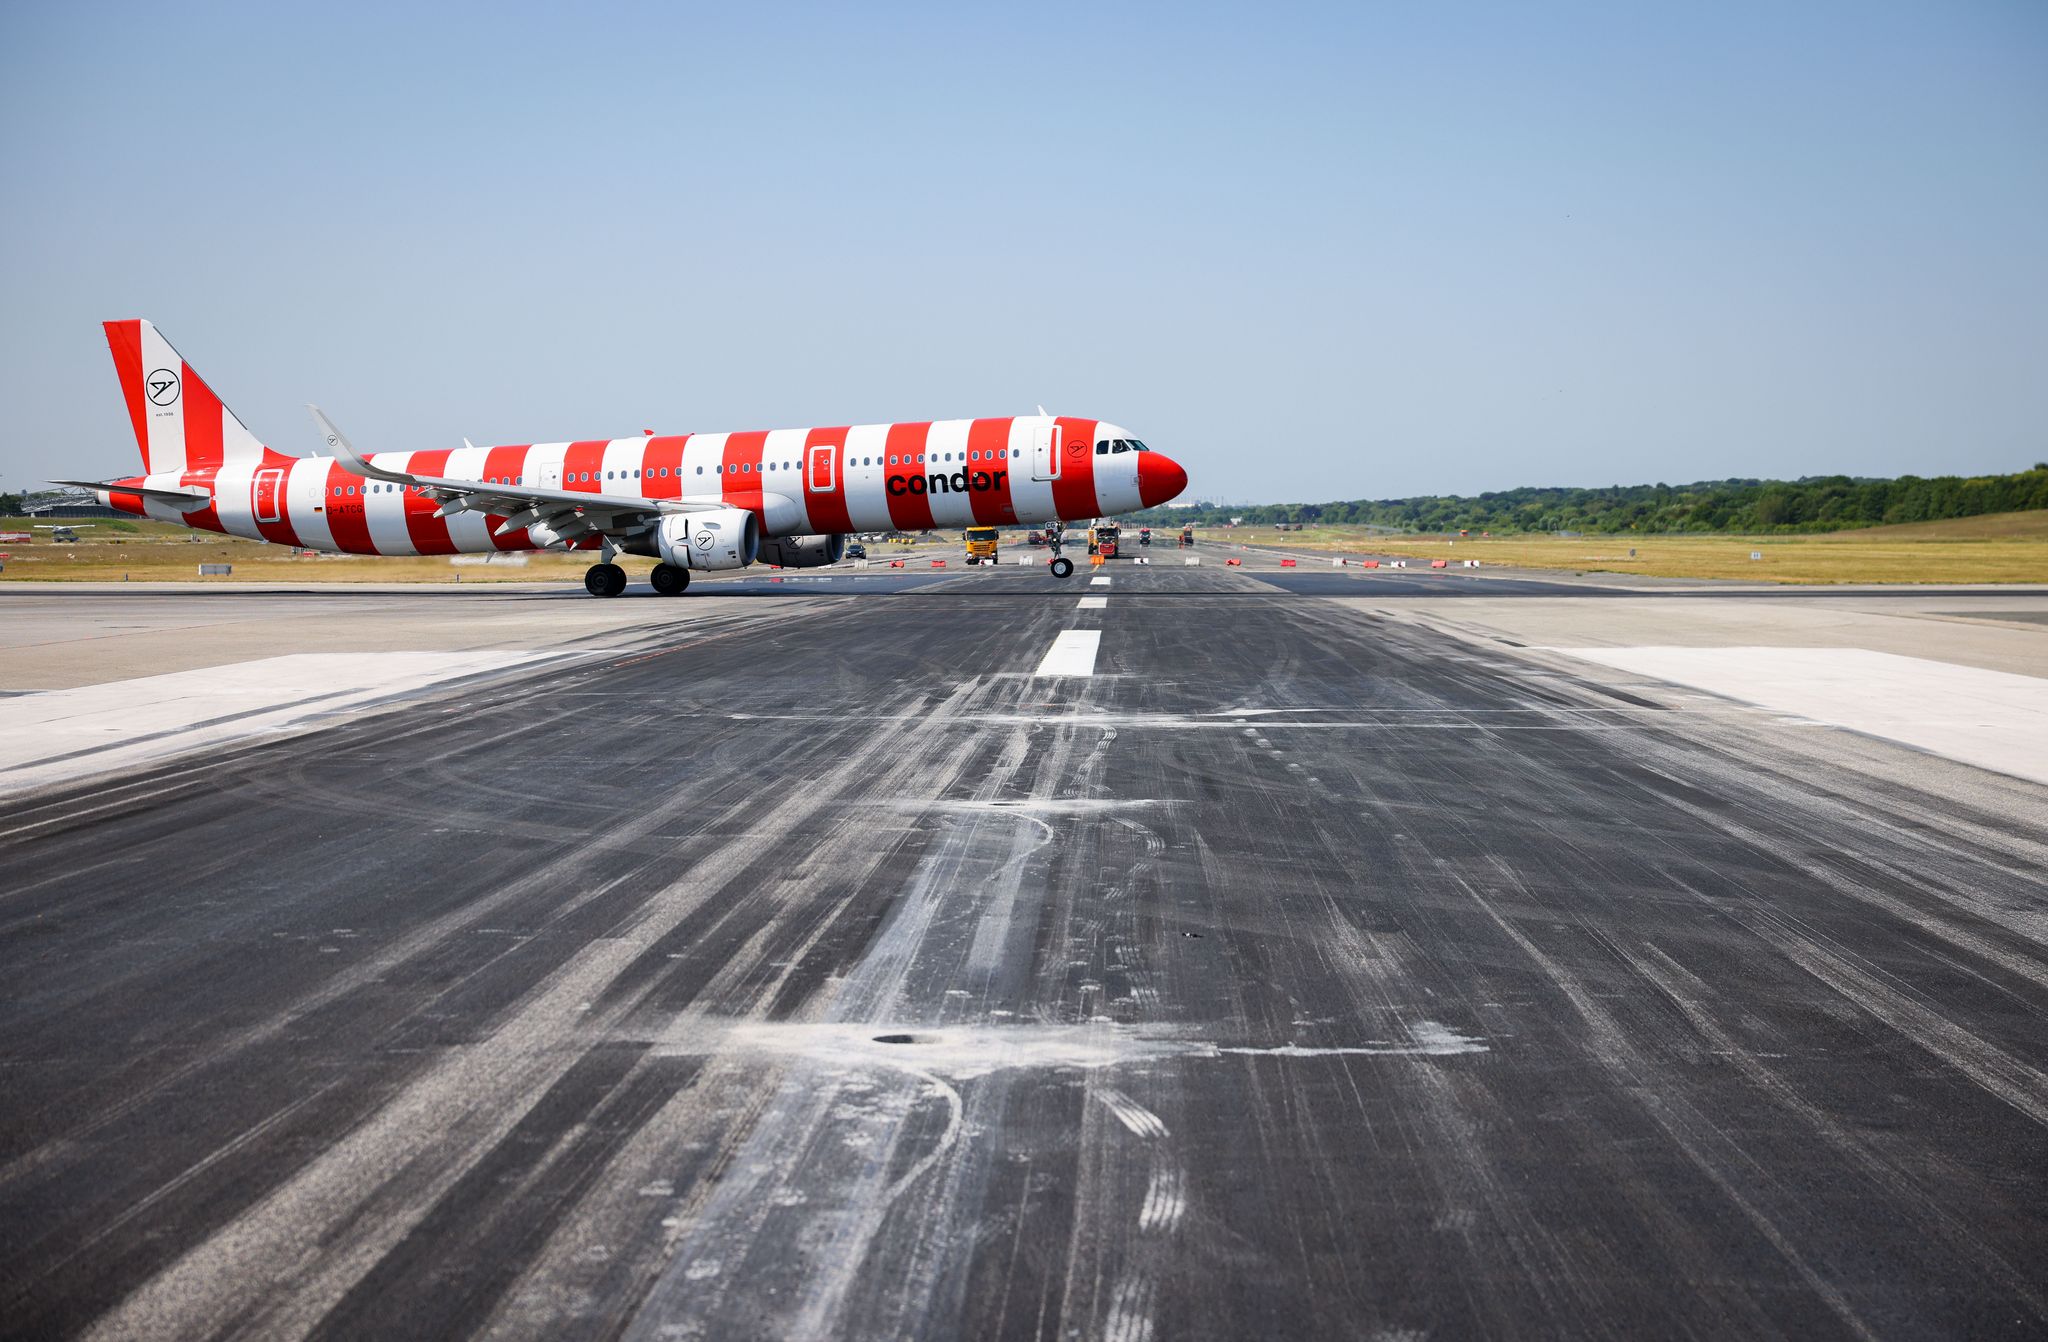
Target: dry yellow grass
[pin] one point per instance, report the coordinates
(2002, 547)
(113, 551)
(161, 551)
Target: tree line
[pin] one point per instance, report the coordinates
(1815, 503)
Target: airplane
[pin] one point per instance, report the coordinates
(697, 502)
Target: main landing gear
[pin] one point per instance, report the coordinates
(669, 580)
(1063, 567)
(605, 580)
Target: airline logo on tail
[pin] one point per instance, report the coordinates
(179, 423)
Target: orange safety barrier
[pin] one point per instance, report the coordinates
(1288, 563)
(1370, 563)
(938, 563)
(895, 563)
(1235, 563)
(1439, 563)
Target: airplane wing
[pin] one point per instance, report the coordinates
(570, 514)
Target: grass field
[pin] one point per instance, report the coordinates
(139, 551)
(2001, 547)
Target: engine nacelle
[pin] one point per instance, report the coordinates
(721, 538)
(803, 551)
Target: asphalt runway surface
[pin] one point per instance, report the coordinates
(813, 968)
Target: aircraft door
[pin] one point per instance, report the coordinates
(821, 469)
(1045, 450)
(267, 494)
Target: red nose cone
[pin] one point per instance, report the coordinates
(1160, 478)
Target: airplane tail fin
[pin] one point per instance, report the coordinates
(180, 425)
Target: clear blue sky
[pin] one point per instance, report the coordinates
(1314, 251)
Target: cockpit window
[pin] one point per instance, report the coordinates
(1137, 446)
(1102, 448)
(1120, 445)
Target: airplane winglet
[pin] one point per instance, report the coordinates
(347, 454)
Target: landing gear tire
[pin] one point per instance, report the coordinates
(669, 580)
(604, 580)
(1063, 568)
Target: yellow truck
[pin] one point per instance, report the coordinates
(981, 545)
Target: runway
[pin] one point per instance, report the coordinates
(1329, 957)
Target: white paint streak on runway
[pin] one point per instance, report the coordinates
(56, 735)
(1099, 580)
(1094, 602)
(1992, 719)
(1071, 654)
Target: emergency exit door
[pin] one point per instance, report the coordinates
(821, 469)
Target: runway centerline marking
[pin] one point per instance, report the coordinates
(1071, 654)
(1099, 580)
(1094, 603)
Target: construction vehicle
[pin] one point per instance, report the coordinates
(1036, 538)
(1102, 539)
(981, 545)
(1187, 535)
(1145, 536)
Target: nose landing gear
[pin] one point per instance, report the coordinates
(1062, 567)
(604, 580)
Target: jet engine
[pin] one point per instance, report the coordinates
(803, 551)
(720, 538)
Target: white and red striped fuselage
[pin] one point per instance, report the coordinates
(868, 477)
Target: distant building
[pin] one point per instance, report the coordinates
(67, 505)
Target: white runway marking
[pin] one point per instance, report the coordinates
(54, 735)
(1992, 719)
(1094, 602)
(1099, 580)
(1071, 654)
